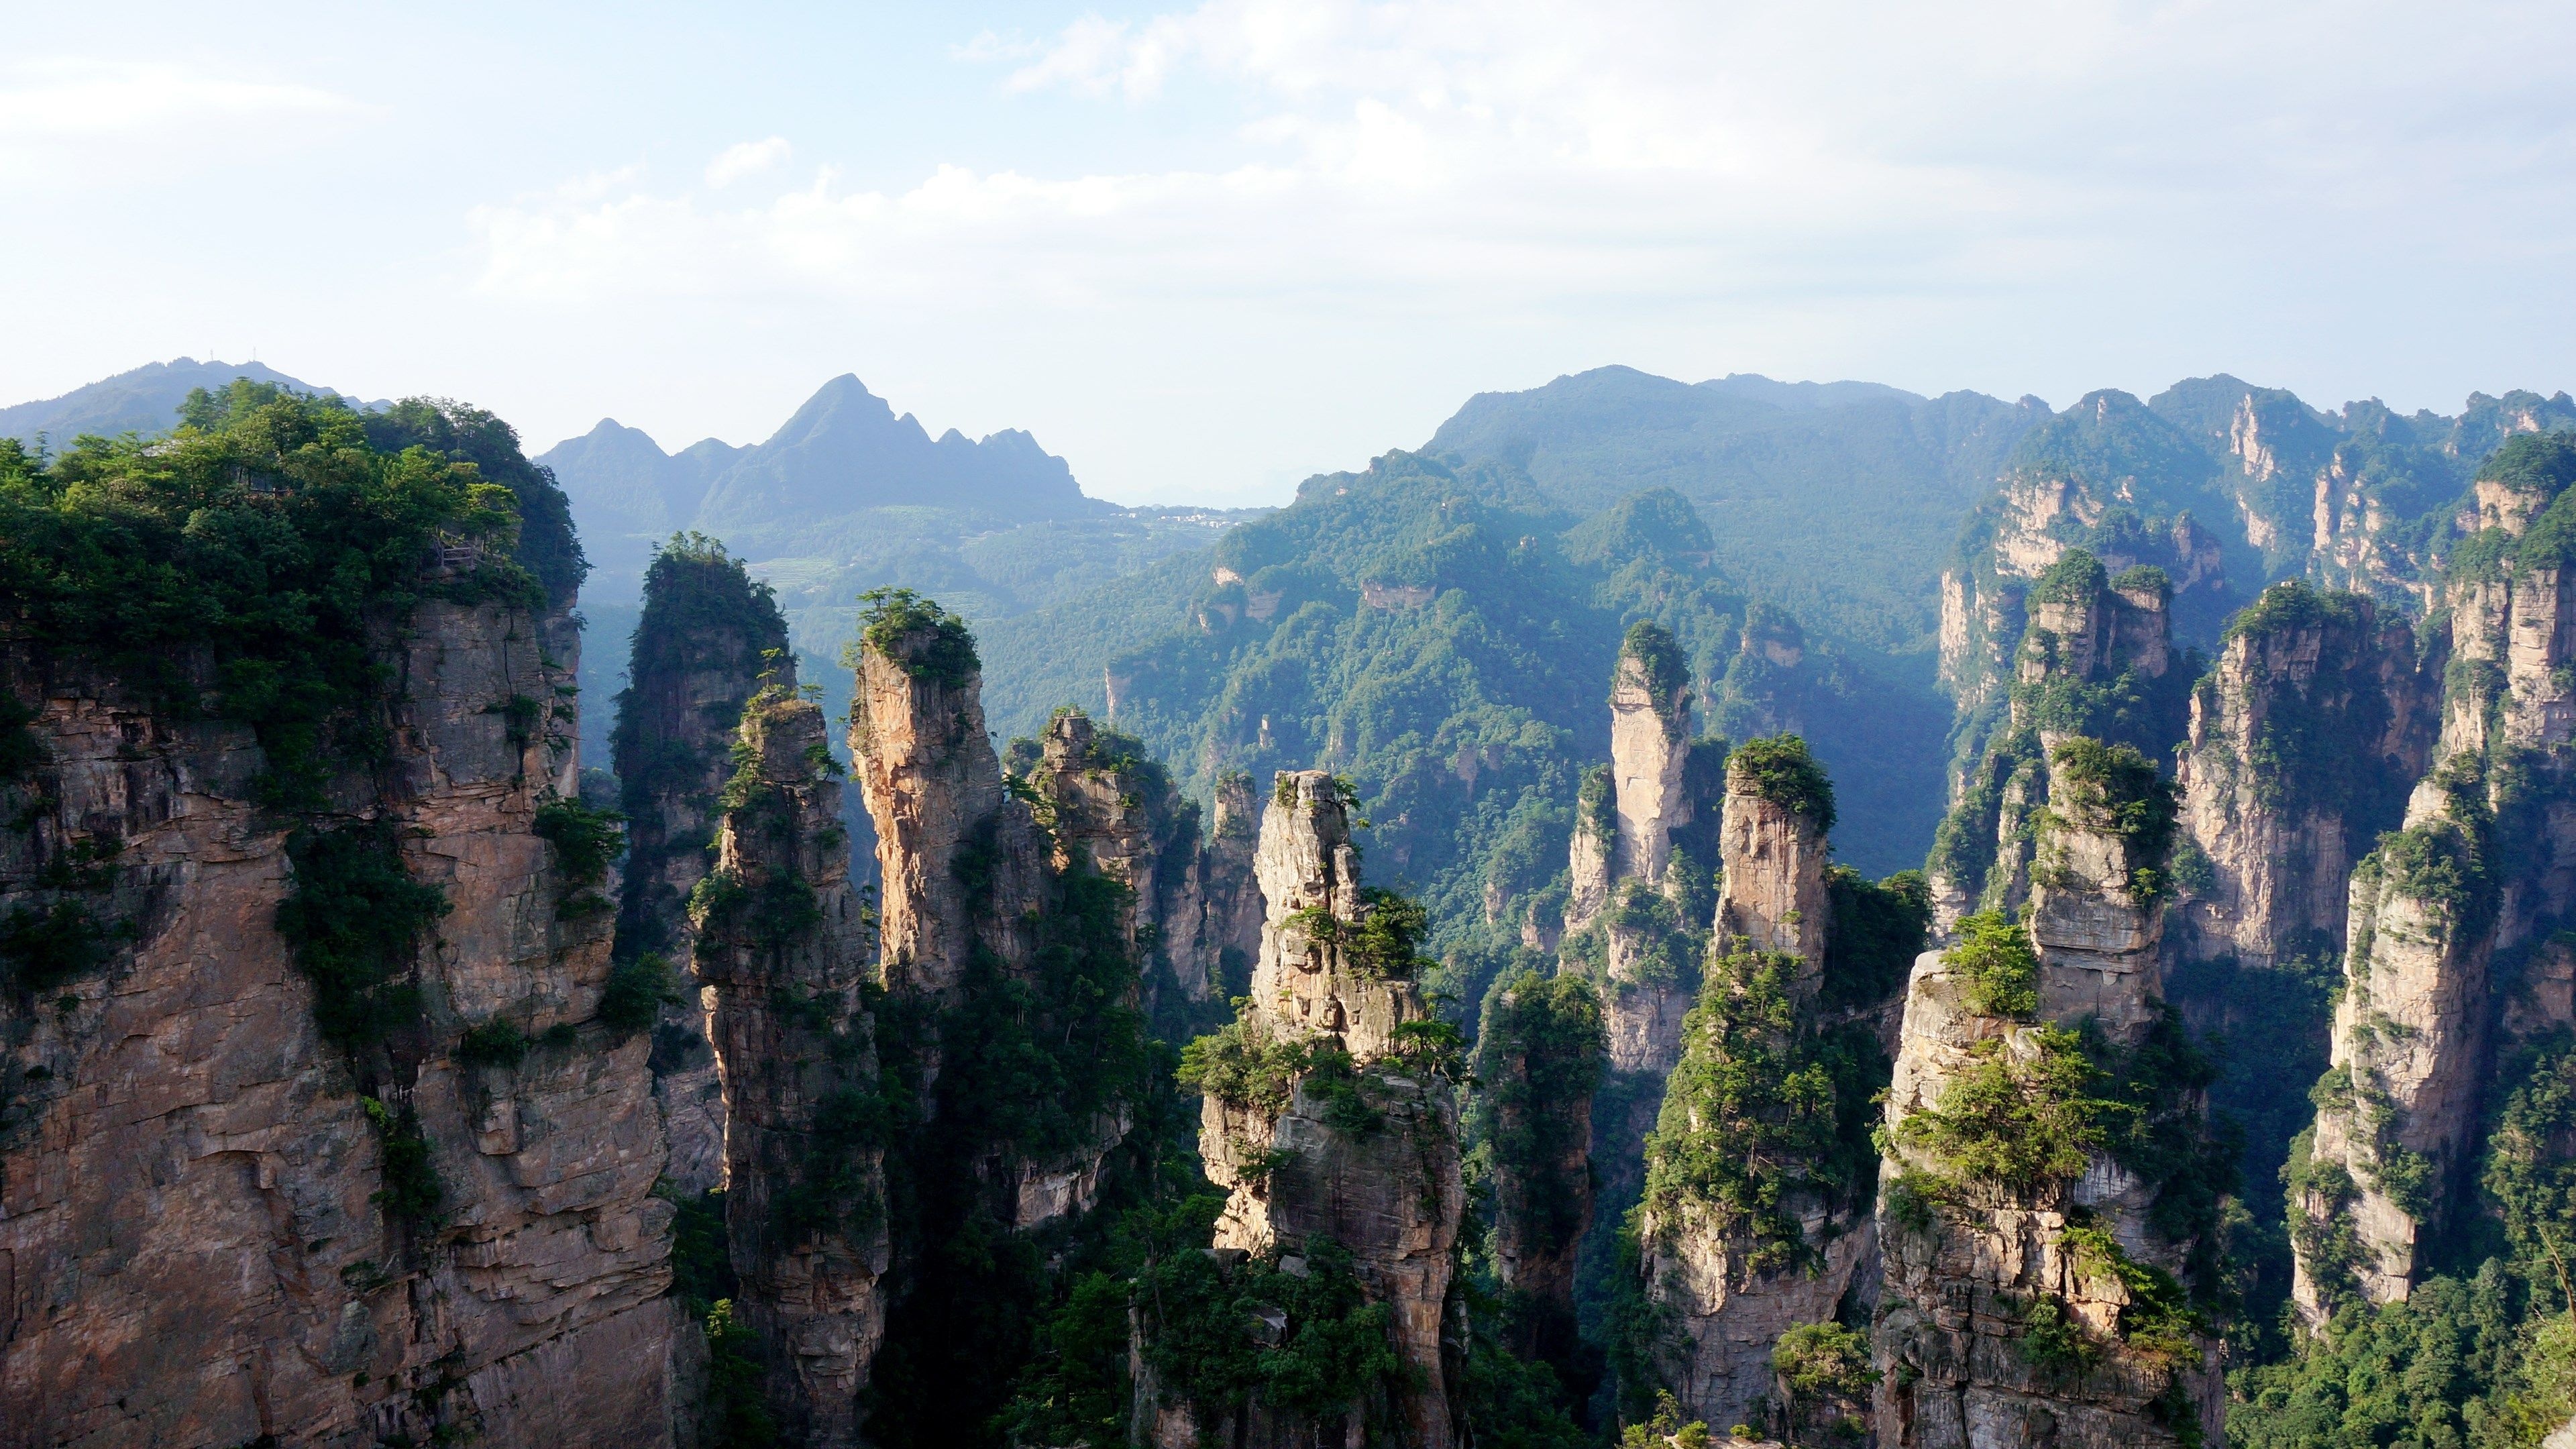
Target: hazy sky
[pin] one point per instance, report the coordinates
(1204, 251)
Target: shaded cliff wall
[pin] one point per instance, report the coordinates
(2472, 887)
(1539, 1057)
(708, 635)
(1012, 1022)
(314, 1129)
(782, 943)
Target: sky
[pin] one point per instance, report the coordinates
(1203, 251)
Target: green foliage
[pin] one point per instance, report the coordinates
(2076, 578)
(41, 948)
(1666, 1430)
(1243, 1067)
(1539, 1057)
(1383, 943)
(546, 546)
(926, 640)
(1878, 930)
(701, 1258)
(586, 840)
(734, 1414)
(2431, 1372)
(1780, 770)
(495, 1043)
(2114, 786)
(354, 920)
(636, 992)
(1762, 1116)
(2054, 1343)
(2157, 1321)
(1826, 1369)
(1659, 661)
(1995, 959)
(2542, 464)
(275, 546)
(412, 1193)
(1205, 1334)
(2529, 1174)
(2019, 1120)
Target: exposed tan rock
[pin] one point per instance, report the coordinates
(190, 1252)
(1393, 1196)
(783, 945)
(707, 638)
(1957, 1289)
(1771, 891)
(2280, 842)
(2400, 1096)
(1649, 751)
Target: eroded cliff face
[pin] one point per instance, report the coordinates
(205, 1236)
(783, 945)
(1538, 1060)
(2096, 658)
(2029, 1296)
(1192, 910)
(1771, 886)
(708, 637)
(2305, 738)
(1360, 1149)
(1738, 1253)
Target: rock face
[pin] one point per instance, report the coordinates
(707, 637)
(2304, 740)
(1192, 912)
(1649, 757)
(1299, 1169)
(1771, 890)
(192, 1245)
(1538, 1060)
(2040, 1309)
(783, 947)
(1734, 1279)
(2096, 658)
(933, 785)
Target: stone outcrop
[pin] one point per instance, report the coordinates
(2305, 738)
(782, 943)
(1771, 887)
(1538, 1059)
(2096, 658)
(1733, 1281)
(1192, 912)
(1650, 738)
(1299, 1167)
(2015, 1312)
(197, 1241)
(707, 638)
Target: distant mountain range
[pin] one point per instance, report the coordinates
(145, 400)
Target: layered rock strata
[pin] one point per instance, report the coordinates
(2305, 738)
(782, 944)
(708, 636)
(1732, 1277)
(2041, 1306)
(1385, 1184)
(2096, 658)
(199, 1238)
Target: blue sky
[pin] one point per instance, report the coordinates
(1204, 250)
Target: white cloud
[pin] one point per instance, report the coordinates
(74, 98)
(746, 158)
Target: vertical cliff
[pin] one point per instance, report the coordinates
(2047, 1209)
(1539, 1058)
(1755, 1214)
(707, 637)
(1189, 909)
(2097, 660)
(2304, 739)
(1330, 1122)
(782, 945)
(325, 1117)
(1011, 1030)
